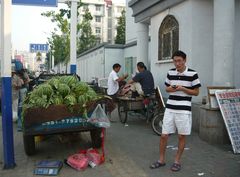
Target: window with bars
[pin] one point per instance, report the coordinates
(168, 38)
(97, 18)
(98, 8)
(98, 30)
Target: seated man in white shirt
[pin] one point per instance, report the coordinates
(113, 81)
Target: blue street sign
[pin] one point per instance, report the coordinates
(49, 3)
(38, 48)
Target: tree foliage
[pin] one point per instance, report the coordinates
(60, 37)
(86, 39)
(121, 27)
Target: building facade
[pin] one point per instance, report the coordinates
(105, 15)
(207, 30)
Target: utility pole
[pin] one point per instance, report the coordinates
(6, 74)
(73, 34)
(7, 125)
(73, 38)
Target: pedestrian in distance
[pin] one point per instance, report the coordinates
(22, 94)
(17, 83)
(181, 83)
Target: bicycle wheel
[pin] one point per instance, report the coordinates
(122, 114)
(157, 122)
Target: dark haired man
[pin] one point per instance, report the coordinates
(145, 78)
(113, 81)
(181, 83)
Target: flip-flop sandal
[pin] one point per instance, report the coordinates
(157, 164)
(176, 167)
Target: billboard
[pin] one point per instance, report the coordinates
(229, 103)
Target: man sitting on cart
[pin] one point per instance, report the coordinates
(142, 82)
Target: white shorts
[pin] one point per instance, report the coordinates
(180, 121)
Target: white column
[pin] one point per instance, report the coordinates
(73, 38)
(142, 43)
(6, 90)
(223, 41)
(6, 39)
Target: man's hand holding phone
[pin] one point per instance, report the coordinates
(178, 88)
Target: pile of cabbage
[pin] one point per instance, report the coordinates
(66, 90)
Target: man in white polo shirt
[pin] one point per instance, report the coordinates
(181, 83)
(113, 81)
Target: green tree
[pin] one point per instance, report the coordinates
(121, 27)
(86, 39)
(60, 38)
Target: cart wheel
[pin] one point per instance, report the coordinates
(122, 114)
(96, 137)
(157, 122)
(29, 144)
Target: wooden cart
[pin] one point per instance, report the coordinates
(58, 119)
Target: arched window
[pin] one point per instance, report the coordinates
(168, 38)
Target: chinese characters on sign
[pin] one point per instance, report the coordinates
(229, 103)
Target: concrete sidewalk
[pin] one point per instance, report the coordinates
(129, 152)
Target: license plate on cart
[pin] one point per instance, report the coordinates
(63, 124)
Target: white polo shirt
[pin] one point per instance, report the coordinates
(113, 85)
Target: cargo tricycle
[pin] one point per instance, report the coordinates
(150, 107)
